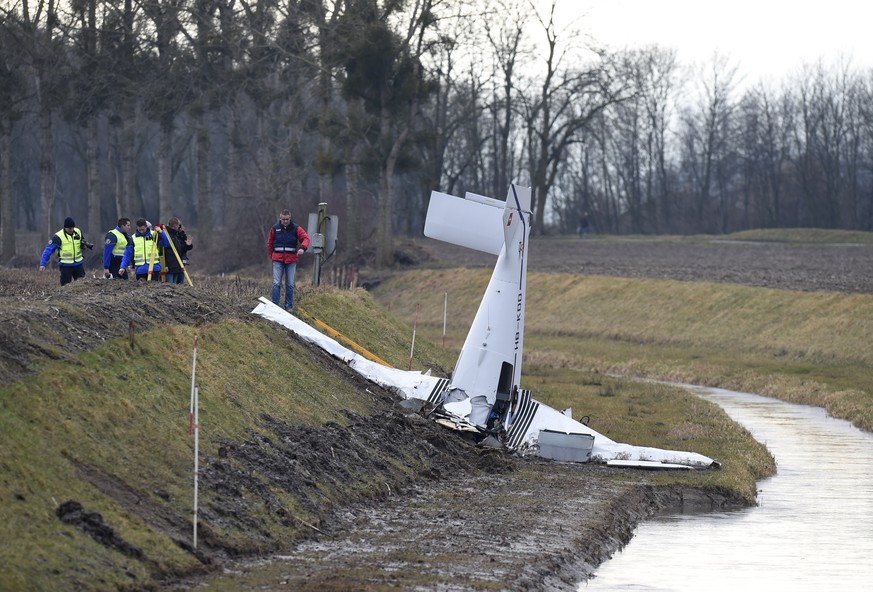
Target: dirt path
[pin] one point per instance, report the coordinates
(545, 526)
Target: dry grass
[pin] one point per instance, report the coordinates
(658, 415)
(815, 327)
(799, 346)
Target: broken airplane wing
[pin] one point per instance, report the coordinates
(484, 392)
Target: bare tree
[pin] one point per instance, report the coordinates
(706, 137)
(506, 30)
(166, 100)
(208, 66)
(90, 94)
(39, 33)
(567, 97)
(13, 99)
(766, 121)
(865, 100)
(658, 70)
(821, 139)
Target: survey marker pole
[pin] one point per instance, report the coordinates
(194, 428)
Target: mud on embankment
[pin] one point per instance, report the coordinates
(496, 522)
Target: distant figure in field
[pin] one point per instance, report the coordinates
(583, 225)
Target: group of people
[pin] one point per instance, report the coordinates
(123, 253)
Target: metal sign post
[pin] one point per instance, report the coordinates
(317, 240)
(322, 230)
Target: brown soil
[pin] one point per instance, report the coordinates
(473, 518)
(542, 526)
(41, 319)
(831, 268)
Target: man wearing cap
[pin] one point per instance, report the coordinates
(117, 250)
(69, 242)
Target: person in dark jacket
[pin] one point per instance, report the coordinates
(287, 241)
(68, 242)
(583, 225)
(175, 268)
(117, 250)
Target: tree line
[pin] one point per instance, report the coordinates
(223, 112)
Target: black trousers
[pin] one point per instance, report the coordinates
(71, 272)
(114, 266)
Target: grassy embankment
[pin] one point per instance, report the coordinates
(118, 416)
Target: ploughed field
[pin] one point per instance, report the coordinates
(787, 266)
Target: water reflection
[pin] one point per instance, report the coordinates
(812, 530)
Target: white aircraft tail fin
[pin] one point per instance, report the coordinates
(490, 361)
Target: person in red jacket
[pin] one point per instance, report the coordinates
(286, 243)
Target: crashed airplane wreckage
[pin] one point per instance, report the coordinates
(484, 393)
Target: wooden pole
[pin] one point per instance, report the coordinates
(414, 325)
(445, 310)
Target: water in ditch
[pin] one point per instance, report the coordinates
(812, 529)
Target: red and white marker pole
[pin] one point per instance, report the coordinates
(194, 428)
(196, 458)
(193, 373)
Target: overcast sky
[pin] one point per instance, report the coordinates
(766, 38)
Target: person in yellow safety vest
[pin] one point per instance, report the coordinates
(144, 240)
(69, 242)
(117, 250)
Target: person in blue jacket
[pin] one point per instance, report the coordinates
(68, 242)
(144, 240)
(117, 250)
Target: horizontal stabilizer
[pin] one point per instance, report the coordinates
(465, 222)
(488, 201)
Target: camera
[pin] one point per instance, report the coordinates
(87, 245)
